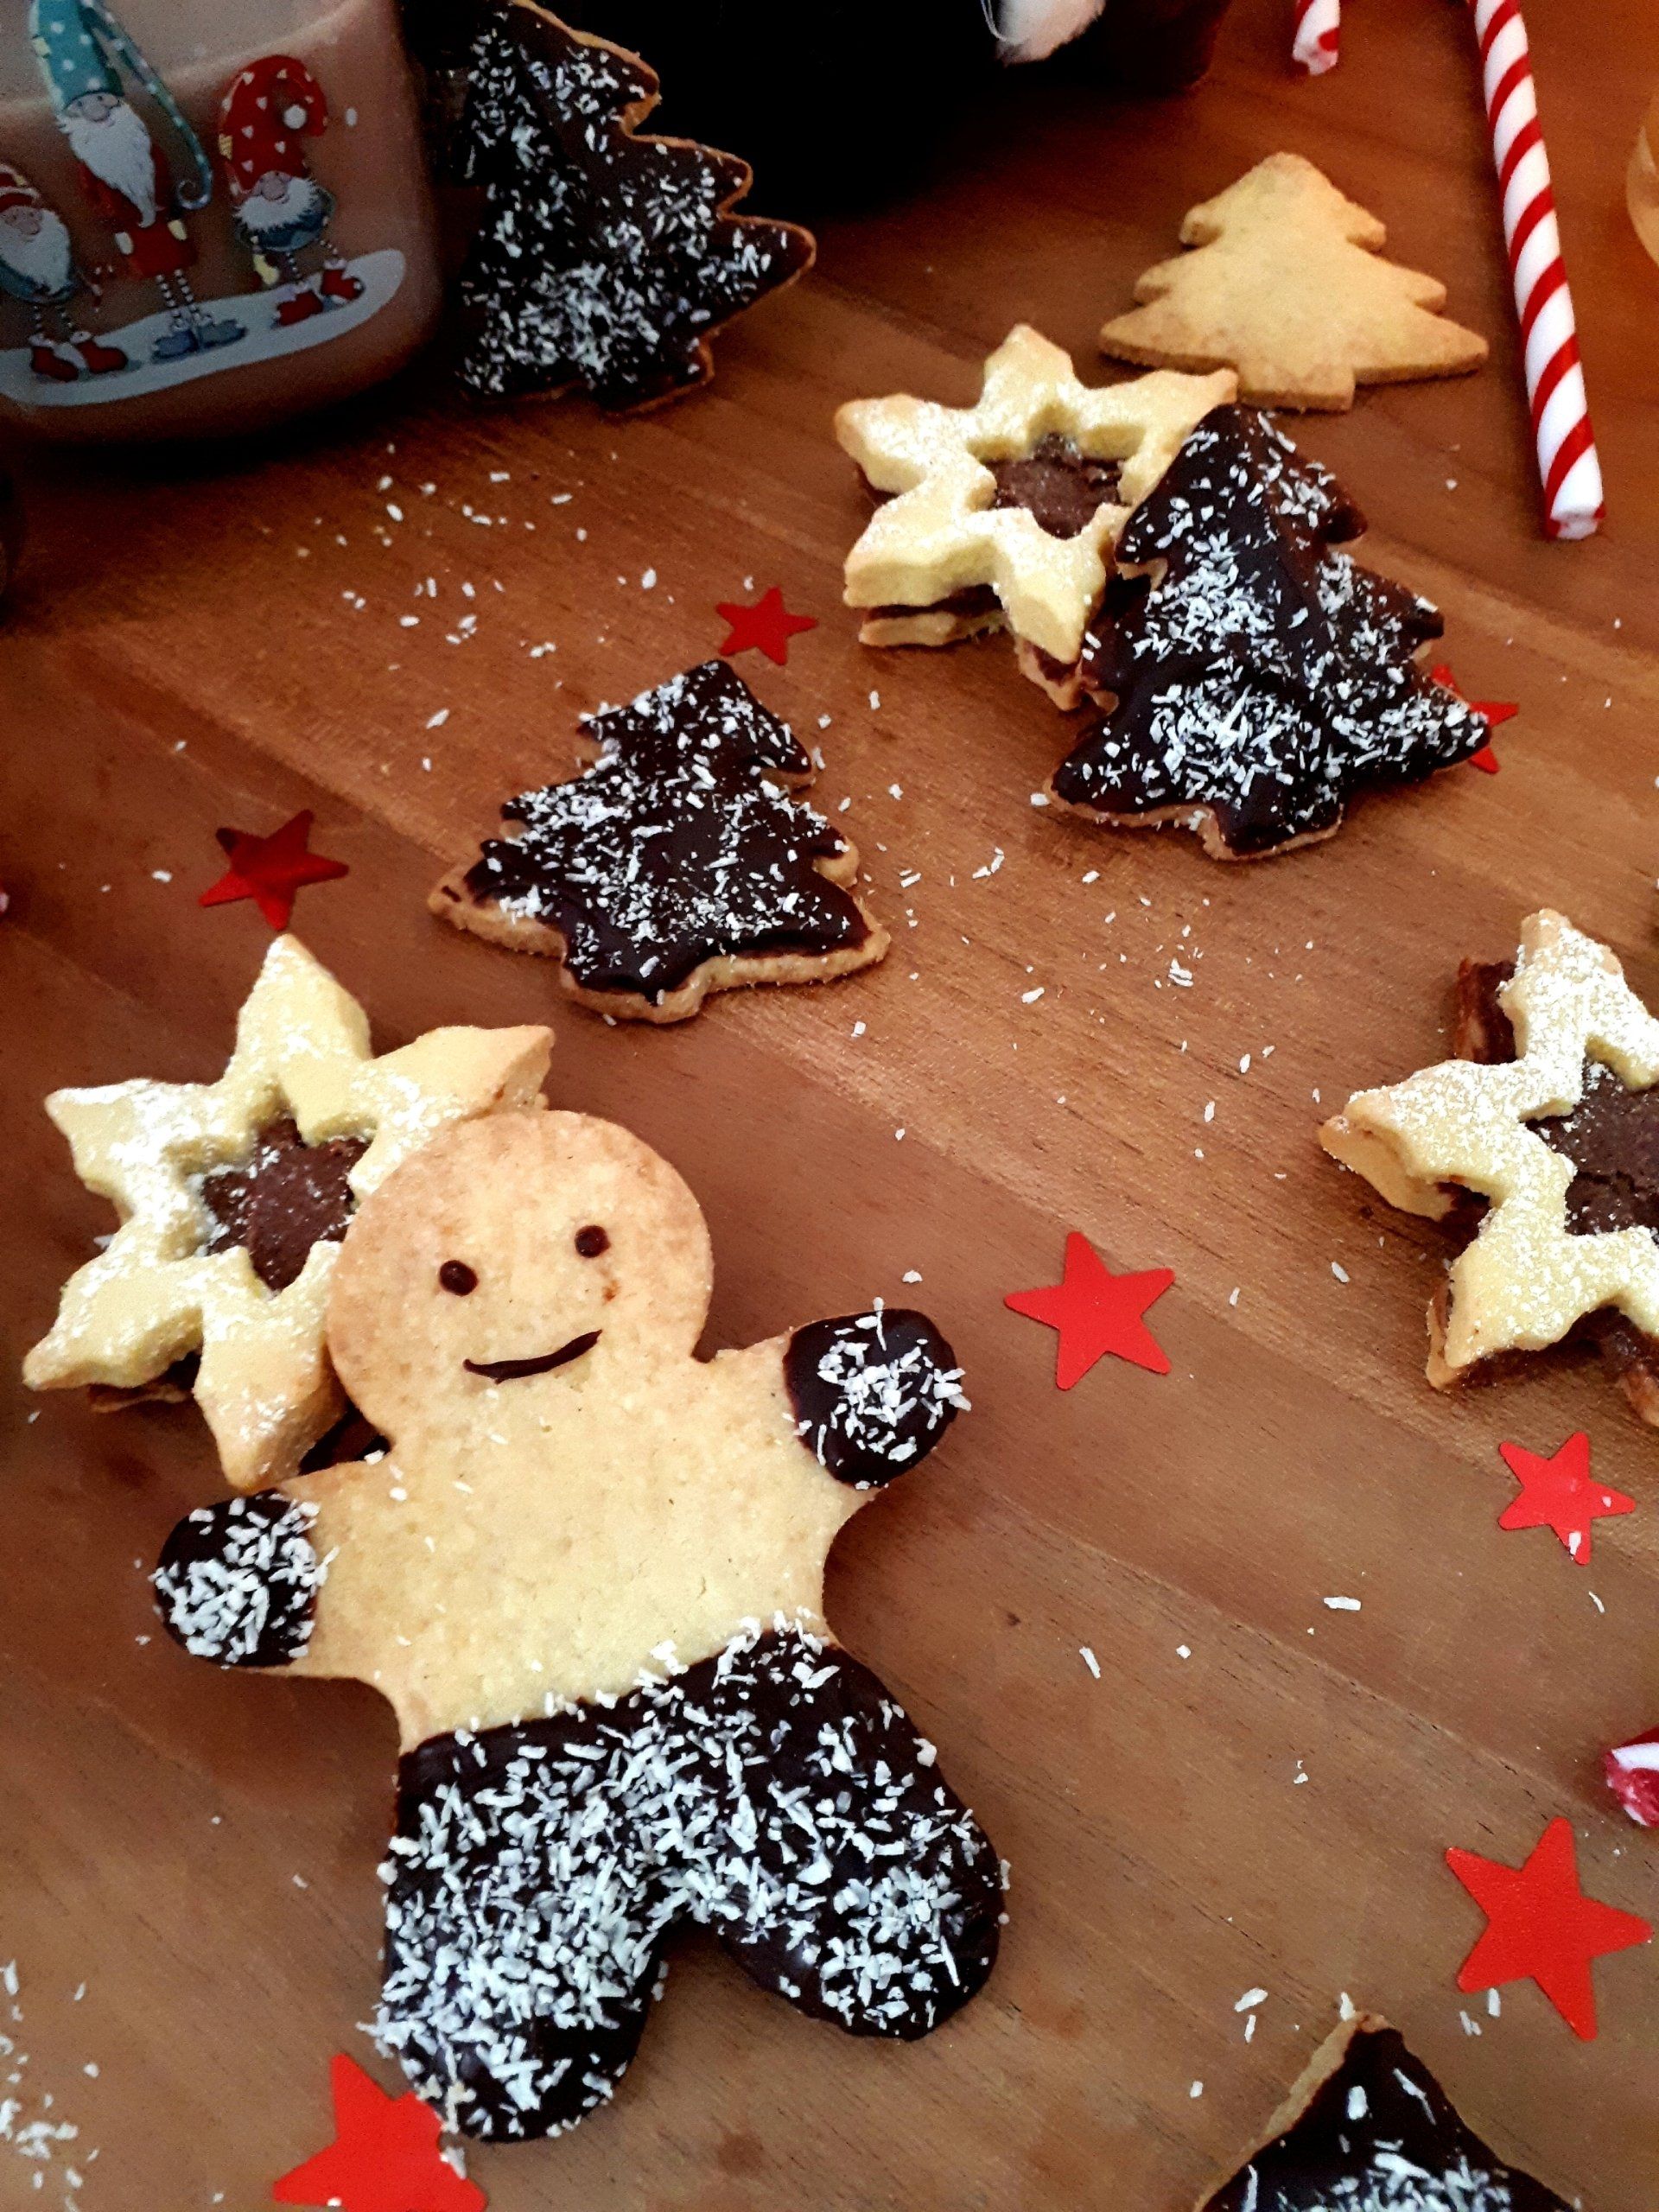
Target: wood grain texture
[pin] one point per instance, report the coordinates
(186, 648)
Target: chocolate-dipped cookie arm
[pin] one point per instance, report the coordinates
(237, 1582)
(872, 1393)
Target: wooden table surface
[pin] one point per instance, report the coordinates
(1258, 1791)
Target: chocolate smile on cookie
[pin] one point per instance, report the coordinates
(512, 1371)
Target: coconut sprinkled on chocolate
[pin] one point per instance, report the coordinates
(1379, 2134)
(774, 1794)
(871, 1392)
(602, 258)
(678, 847)
(1262, 678)
(237, 1581)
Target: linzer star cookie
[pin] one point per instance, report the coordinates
(1367, 2128)
(676, 865)
(1257, 679)
(1288, 286)
(1554, 1120)
(233, 1197)
(1007, 512)
(604, 258)
(589, 1578)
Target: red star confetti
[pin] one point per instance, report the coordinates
(271, 870)
(1541, 1927)
(1097, 1313)
(1493, 712)
(385, 2157)
(1632, 1772)
(1557, 1493)
(768, 624)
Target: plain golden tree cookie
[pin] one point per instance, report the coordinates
(1288, 286)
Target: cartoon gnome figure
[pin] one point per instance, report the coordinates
(37, 266)
(280, 209)
(82, 51)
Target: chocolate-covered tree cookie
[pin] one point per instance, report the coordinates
(604, 258)
(677, 864)
(1369, 2129)
(1257, 678)
(588, 1574)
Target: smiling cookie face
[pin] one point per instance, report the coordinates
(554, 1248)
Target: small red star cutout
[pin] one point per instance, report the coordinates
(384, 2158)
(269, 870)
(768, 624)
(1541, 1927)
(1557, 1493)
(1097, 1313)
(1493, 712)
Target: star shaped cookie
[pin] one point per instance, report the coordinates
(1006, 512)
(233, 1197)
(1531, 1135)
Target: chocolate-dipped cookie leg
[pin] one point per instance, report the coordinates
(237, 1582)
(843, 1873)
(524, 1924)
(873, 1393)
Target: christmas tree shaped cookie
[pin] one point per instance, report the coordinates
(1288, 286)
(677, 864)
(1255, 678)
(605, 258)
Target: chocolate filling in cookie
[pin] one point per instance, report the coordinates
(1612, 1138)
(283, 1198)
(1060, 487)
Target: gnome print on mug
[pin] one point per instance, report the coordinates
(187, 240)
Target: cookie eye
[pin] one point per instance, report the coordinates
(592, 1240)
(457, 1276)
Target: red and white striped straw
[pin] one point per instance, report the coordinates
(1318, 26)
(1568, 466)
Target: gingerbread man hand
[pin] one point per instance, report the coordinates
(588, 1574)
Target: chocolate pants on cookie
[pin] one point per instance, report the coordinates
(776, 1796)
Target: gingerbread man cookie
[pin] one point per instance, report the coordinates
(1008, 511)
(1557, 1127)
(677, 864)
(589, 1575)
(233, 1197)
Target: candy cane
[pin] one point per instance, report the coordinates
(1319, 23)
(1568, 466)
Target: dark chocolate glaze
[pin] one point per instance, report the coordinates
(1061, 488)
(775, 1795)
(600, 259)
(1380, 2135)
(237, 1582)
(512, 1371)
(674, 848)
(1265, 678)
(1612, 1138)
(283, 1198)
(873, 1393)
